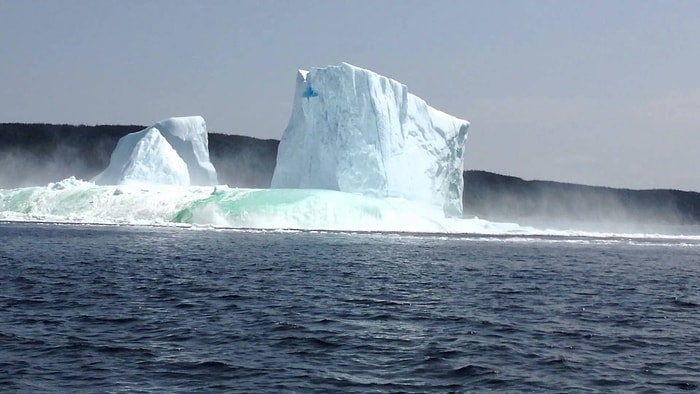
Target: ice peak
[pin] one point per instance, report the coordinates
(172, 151)
(356, 131)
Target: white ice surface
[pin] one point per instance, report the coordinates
(153, 160)
(356, 131)
(157, 154)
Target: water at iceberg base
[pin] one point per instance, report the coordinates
(76, 201)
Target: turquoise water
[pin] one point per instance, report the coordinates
(74, 201)
(83, 202)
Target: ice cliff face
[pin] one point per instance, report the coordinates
(356, 131)
(173, 151)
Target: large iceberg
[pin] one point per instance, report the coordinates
(174, 151)
(356, 131)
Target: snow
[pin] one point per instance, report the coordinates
(173, 151)
(356, 131)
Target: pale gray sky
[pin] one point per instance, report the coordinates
(597, 92)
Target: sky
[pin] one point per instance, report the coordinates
(600, 92)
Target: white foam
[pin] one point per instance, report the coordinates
(75, 201)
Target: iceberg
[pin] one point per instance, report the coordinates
(356, 131)
(173, 151)
(360, 153)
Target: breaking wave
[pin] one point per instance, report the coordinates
(76, 201)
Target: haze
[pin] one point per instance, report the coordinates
(595, 92)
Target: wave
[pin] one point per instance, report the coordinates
(76, 201)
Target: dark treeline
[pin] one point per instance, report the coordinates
(499, 197)
(36, 154)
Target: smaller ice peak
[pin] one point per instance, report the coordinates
(153, 160)
(354, 130)
(173, 151)
(187, 128)
(190, 139)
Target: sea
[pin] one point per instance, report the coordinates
(87, 308)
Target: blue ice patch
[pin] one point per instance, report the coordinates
(310, 92)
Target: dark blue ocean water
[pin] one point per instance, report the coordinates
(112, 309)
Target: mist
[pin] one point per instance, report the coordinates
(36, 154)
(22, 169)
(565, 206)
(243, 161)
